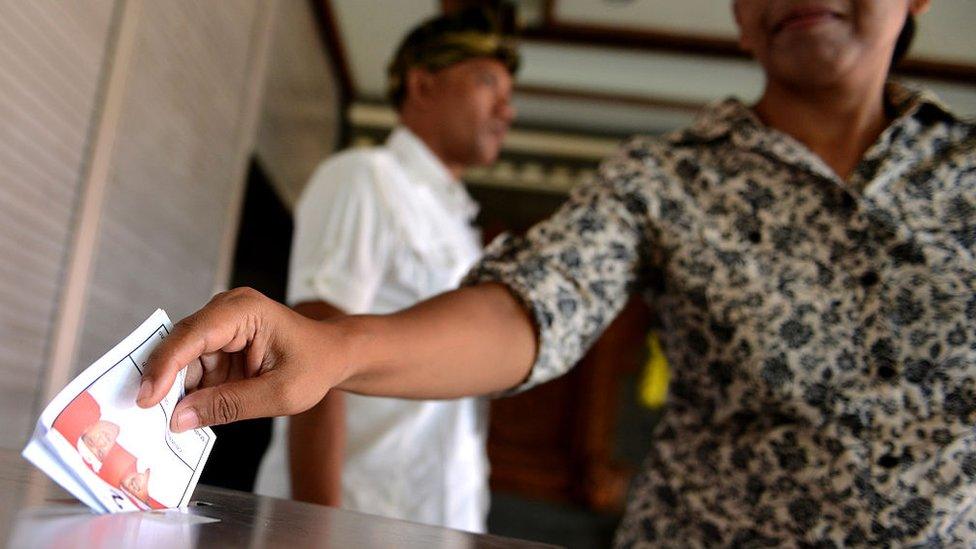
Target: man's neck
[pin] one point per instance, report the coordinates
(839, 125)
(429, 138)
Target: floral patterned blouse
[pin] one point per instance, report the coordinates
(821, 332)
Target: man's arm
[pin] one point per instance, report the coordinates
(317, 437)
(471, 341)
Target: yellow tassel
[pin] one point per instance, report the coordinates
(653, 389)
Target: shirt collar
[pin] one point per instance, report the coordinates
(426, 169)
(909, 102)
(716, 121)
(731, 116)
(733, 120)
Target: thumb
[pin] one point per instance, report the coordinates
(227, 403)
(229, 323)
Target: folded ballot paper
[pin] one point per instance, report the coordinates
(94, 440)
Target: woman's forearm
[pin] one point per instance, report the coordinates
(471, 341)
(249, 356)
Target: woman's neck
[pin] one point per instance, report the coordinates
(837, 124)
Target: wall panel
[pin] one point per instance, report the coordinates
(299, 124)
(177, 166)
(51, 64)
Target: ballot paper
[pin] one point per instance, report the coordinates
(114, 456)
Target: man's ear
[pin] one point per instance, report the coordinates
(744, 43)
(419, 84)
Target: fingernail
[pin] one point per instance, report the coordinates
(187, 419)
(145, 390)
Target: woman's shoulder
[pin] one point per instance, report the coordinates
(667, 158)
(708, 128)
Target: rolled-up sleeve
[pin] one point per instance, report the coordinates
(341, 245)
(574, 271)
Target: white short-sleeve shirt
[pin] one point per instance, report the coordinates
(376, 231)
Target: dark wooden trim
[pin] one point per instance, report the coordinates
(448, 6)
(549, 12)
(938, 70)
(595, 35)
(656, 40)
(335, 47)
(615, 98)
(644, 101)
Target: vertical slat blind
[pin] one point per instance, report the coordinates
(174, 168)
(186, 122)
(51, 56)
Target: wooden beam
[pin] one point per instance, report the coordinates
(657, 40)
(335, 48)
(635, 39)
(610, 97)
(938, 70)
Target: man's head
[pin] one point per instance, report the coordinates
(137, 484)
(451, 80)
(99, 438)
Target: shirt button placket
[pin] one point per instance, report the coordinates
(869, 281)
(886, 459)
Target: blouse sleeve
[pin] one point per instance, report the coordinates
(341, 246)
(574, 271)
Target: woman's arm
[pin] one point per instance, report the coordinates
(470, 341)
(574, 270)
(252, 357)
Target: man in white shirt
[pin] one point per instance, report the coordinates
(378, 230)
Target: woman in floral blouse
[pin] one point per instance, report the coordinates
(812, 261)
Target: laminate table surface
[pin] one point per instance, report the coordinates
(34, 512)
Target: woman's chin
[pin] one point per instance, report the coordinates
(812, 68)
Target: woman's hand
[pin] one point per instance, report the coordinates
(248, 357)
